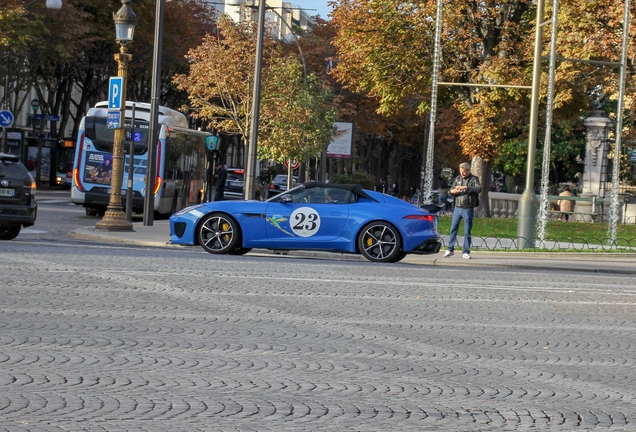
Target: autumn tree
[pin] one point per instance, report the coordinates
(295, 114)
(384, 145)
(185, 24)
(386, 49)
(66, 55)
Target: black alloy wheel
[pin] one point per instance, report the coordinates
(218, 233)
(380, 242)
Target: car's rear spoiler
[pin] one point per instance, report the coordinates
(433, 208)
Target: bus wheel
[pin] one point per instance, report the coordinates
(218, 233)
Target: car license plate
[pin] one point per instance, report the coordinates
(7, 192)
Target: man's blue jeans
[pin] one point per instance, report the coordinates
(458, 214)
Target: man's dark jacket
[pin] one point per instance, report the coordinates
(470, 197)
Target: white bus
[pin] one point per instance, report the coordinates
(182, 161)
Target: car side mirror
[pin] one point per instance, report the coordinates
(285, 199)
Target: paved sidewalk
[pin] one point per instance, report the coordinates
(158, 235)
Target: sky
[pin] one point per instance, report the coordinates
(320, 5)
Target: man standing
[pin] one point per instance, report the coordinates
(381, 187)
(465, 188)
(221, 177)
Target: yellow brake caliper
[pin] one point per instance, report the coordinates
(226, 226)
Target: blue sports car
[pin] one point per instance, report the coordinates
(312, 216)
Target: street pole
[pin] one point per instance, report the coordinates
(115, 218)
(131, 167)
(38, 169)
(151, 173)
(250, 171)
(528, 203)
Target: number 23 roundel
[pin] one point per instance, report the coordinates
(304, 221)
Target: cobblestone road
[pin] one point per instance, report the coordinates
(104, 338)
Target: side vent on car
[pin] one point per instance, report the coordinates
(179, 229)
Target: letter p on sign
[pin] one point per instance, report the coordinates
(114, 92)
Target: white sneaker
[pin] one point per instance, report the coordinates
(449, 254)
(466, 256)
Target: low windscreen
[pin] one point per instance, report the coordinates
(102, 137)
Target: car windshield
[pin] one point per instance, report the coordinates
(11, 168)
(316, 195)
(234, 175)
(282, 179)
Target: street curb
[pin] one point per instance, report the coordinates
(85, 234)
(122, 237)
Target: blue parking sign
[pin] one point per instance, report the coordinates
(115, 87)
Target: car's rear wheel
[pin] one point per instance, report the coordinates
(219, 234)
(380, 242)
(240, 251)
(9, 232)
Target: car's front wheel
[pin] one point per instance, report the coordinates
(380, 242)
(9, 232)
(219, 234)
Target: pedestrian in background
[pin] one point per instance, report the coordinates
(395, 191)
(381, 187)
(221, 177)
(465, 188)
(565, 205)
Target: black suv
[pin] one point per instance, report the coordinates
(234, 184)
(17, 197)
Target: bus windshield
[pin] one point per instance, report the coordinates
(103, 137)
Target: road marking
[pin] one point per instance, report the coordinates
(53, 201)
(32, 231)
(421, 284)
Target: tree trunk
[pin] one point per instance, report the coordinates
(483, 170)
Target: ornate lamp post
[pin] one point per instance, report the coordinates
(115, 218)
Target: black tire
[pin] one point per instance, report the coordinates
(9, 232)
(219, 233)
(380, 242)
(400, 257)
(91, 211)
(240, 251)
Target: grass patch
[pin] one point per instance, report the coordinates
(561, 231)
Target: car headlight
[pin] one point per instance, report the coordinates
(188, 209)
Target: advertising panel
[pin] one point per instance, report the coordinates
(341, 142)
(98, 168)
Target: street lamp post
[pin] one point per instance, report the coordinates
(151, 174)
(250, 171)
(528, 203)
(115, 218)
